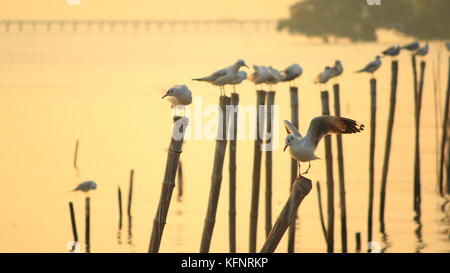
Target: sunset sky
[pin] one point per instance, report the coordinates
(144, 9)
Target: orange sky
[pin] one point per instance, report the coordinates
(144, 9)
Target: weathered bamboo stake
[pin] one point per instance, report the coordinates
(119, 197)
(260, 100)
(373, 118)
(180, 181)
(418, 108)
(130, 193)
(88, 224)
(330, 181)
(293, 91)
(322, 221)
(269, 131)
(387, 151)
(75, 156)
(358, 242)
(414, 69)
(216, 178)
(74, 225)
(300, 190)
(173, 156)
(232, 169)
(340, 157)
(444, 135)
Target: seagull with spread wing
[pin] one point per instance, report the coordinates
(302, 148)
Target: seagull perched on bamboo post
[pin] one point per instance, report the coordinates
(392, 51)
(224, 76)
(260, 75)
(372, 66)
(274, 77)
(447, 45)
(292, 72)
(179, 95)
(423, 51)
(323, 76)
(86, 186)
(411, 46)
(337, 69)
(303, 149)
(241, 76)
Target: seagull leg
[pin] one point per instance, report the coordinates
(309, 166)
(299, 173)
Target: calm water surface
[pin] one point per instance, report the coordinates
(104, 89)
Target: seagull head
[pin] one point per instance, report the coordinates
(169, 93)
(288, 141)
(241, 63)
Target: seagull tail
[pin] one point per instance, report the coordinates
(198, 79)
(359, 71)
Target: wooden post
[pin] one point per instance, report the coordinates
(269, 131)
(418, 107)
(358, 242)
(444, 135)
(119, 197)
(373, 118)
(394, 70)
(74, 226)
(293, 91)
(130, 193)
(300, 189)
(180, 181)
(88, 224)
(232, 169)
(261, 96)
(216, 178)
(340, 156)
(173, 156)
(75, 156)
(322, 221)
(330, 181)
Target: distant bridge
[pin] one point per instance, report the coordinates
(19, 25)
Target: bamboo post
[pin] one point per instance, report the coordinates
(444, 135)
(130, 193)
(358, 242)
(260, 100)
(300, 190)
(75, 156)
(330, 181)
(340, 156)
(373, 118)
(293, 91)
(119, 197)
(394, 75)
(418, 107)
(269, 131)
(173, 156)
(74, 226)
(322, 221)
(88, 224)
(232, 170)
(180, 181)
(216, 178)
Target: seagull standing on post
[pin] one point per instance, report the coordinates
(291, 73)
(392, 51)
(179, 95)
(260, 74)
(423, 51)
(372, 66)
(86, 186)
(324, 76)
(411, 46)
(224, 76)
(241, 76)
(337, 69)
(303, 149)
(274, 77)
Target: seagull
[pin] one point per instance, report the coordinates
(411, 46)
(392, 51)
(302, 148)
(260, 74)
(337, 69)
(447, 45)
(274, 77)
(422, 51)
(291, 73)
(372, 66)
(178, 95)
(224, 76)
(324, 76)
(86, 186)
(241, 76)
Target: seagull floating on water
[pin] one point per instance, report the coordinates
(302, 148)
(224, 76)
(178, 95)
(411, 46)
(86, 186)
(392, 51)
(423, 51)
(291, 73)
(241, 76)
(372, 66)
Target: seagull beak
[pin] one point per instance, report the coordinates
(164, 96)
(284, 149)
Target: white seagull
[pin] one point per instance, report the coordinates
(422, 51)
(241, 76)
(372, 66)
(260, 74)
(291, 73)
(337, 69)
(324, 76)
(302, 148)
(224, 76)
(392, 51)
(178, 95)
(274, 77)
(86, 186)
(447, 45)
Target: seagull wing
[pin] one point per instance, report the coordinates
(290, 128)
(324, 125)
